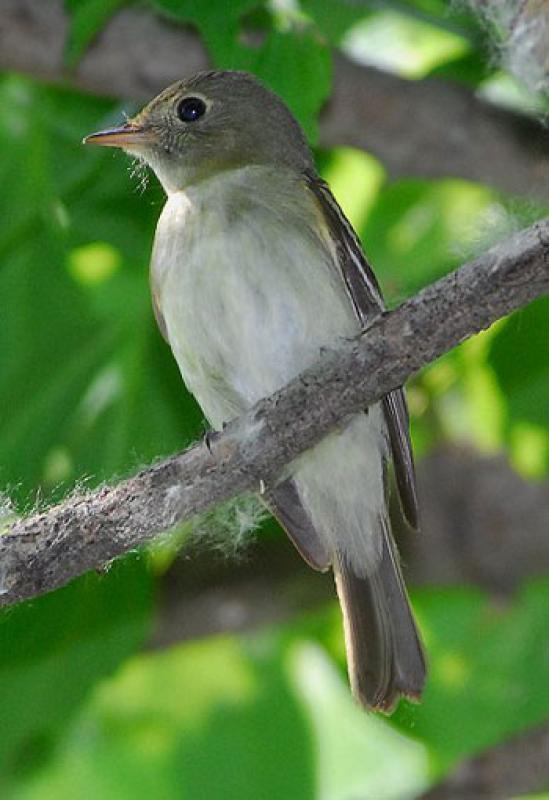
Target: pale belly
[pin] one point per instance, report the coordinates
(246, 307)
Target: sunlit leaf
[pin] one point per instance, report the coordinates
(400, 43)
(419, 230)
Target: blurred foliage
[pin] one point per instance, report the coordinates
(489, 670)
(87, 19)
(55, 649)
(90, 392)
(264, 717)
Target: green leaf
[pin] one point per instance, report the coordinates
(470, 69)
(53, 650)
(87, 19)
(519, 356)
(402, 43)
(335, 17)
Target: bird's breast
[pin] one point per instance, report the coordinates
(247, 290)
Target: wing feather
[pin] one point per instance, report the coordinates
(284, 503)
(365, 295)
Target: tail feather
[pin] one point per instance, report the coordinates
(384, 654)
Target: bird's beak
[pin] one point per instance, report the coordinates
(128, 135)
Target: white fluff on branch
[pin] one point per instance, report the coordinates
(229, 528)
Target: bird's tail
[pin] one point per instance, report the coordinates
(385, 657)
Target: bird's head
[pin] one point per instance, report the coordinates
(212, 122)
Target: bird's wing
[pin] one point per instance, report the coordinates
(284, 504)
(366, 298)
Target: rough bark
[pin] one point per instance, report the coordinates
(429, 128)
(44, 551)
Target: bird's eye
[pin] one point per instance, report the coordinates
(191, 108)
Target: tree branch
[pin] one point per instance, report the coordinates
(46, 550)
(473, 509)
(428, 128)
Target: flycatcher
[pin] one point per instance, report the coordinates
(254, 270)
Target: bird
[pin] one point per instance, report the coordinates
(254, 271)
